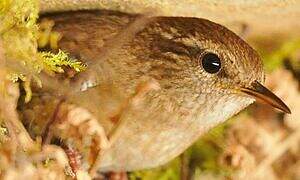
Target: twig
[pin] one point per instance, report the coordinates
(281, 147)
(48, 134)
(9, 97)
(184, 167)
(73, 157)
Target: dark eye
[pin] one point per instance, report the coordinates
(211, 63)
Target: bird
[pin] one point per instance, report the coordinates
(168, 79)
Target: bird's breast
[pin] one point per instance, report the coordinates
(155, 131)
(158, 130)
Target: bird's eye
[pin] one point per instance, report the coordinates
(211, 63)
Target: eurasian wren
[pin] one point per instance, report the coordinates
(183, 75)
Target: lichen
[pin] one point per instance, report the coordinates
(20, 36)
(56, 62)
(46, 36)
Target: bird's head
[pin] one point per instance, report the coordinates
(201, 59)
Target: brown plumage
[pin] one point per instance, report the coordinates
(149, 74)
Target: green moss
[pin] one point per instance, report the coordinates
(18, 14)
(19, 35)
(204, 154)
(167, 172)
(3, 130)
(274, 60)
(56, 62)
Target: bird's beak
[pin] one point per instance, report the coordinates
(259, 92)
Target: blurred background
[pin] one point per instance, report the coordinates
(258, 143)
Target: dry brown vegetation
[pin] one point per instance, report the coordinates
(259, 143)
